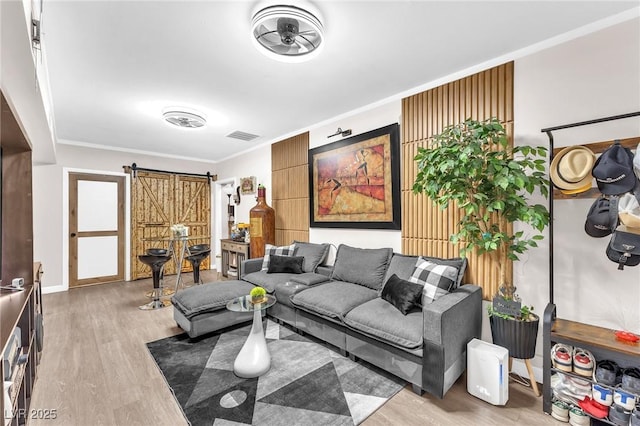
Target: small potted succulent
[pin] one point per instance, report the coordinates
(258, 295)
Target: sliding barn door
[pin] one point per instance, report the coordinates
(159, 200)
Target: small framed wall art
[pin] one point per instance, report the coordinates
(248, 185)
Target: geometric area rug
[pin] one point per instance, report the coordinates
(308, 383)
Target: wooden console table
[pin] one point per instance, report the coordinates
(233, 253)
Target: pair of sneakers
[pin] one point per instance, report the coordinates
(570, 359)
(567, 413)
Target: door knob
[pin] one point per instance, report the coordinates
(73, 234)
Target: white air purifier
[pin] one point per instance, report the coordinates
(488, 372)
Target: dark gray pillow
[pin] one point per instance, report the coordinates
(269, 249)
(285, 264)
(402, 294)
(361, 266)
(313, 253)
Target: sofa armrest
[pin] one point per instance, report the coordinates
(250, 265)
(449, 324)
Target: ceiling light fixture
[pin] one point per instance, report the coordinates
(287, 33)
(183, 119)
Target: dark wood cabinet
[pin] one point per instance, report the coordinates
(19, 310)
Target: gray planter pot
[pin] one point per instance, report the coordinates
(519, 337)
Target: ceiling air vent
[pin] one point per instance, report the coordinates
(244, 136)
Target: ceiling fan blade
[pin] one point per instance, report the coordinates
(271, 37)
(309, 33)
(304, 47)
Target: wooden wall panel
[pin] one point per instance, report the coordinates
(290, 180)
(426, 228)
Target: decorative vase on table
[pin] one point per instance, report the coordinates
(263, 225)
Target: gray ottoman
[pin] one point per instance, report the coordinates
(202, 309)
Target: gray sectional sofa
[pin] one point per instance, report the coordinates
(343, 305)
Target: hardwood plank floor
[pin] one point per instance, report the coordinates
(96, 370)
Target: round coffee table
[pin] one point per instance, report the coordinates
(254, 359)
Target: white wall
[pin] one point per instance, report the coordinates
(24, 92)
(591, 77)
(255, 163)
(361, 122)
(258, 163)
(50, 212)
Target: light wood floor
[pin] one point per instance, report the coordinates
(96, 370)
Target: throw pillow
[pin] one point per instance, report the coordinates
(460, 263)
(314, 254)
(365, 267)
(404, 295)
(280, 251)
(437, 280)
(285, 264)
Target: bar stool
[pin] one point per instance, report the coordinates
(155, 262)
(197, 254)
(166, 291)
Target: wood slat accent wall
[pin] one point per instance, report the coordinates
(290, 180)
(426, 228)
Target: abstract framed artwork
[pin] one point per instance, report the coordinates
(355, 182)
(248, 185)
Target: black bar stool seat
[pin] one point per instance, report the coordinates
(198, 253)
(165, 291)
(156, 263)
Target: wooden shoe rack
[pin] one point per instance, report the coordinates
(601, 342)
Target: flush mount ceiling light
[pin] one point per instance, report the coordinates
(287, 33)
(184, 119)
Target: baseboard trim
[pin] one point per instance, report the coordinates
(53, 289)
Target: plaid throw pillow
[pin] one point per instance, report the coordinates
(437, 280)
(279, 251)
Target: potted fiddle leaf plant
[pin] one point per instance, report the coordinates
(473, 166)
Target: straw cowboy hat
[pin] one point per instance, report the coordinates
(571, 168)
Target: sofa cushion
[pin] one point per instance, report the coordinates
(402, 294)
(266, 280)
(437, 279)
(314, 254)
(309, 278)
(208, 297)
(285, 264)
(365, 267)
(333, 299)
(270, 281)
(380, 319)
(280, 251)
(403, 265)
